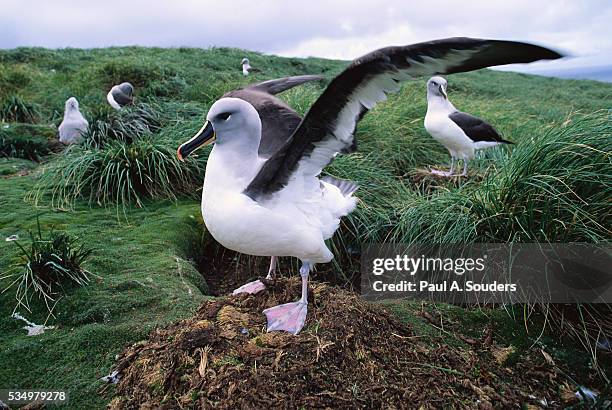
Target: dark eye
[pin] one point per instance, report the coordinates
(224, 116)
(434, 83)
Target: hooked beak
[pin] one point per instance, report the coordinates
(205, 136)
(443, 92)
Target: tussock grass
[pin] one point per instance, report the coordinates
(139, 74)
(118, 173)
(15, 109)
(126, 125)
(26, 141)
(554, 188)
(122, 161)
(47, 265)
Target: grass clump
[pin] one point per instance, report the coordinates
(48, 264)
(15, 109)
(127, 125)
(554, 188)
(26, 141)
(13, 78)
(118, 173)
(137, 73)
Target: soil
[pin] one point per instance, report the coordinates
(225, 270)
(351, 354)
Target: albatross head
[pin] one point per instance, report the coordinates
(126, 88)
(231, 123)
(72, 104)
(436, 86)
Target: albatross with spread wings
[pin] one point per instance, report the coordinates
(277, 205)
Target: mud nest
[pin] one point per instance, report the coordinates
(350, 354)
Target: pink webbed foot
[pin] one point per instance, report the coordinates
(289, 317)
(251, 287)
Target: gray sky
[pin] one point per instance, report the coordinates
(324, 28)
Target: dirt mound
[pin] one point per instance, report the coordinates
(350, 354)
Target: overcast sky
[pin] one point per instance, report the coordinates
(324, 28)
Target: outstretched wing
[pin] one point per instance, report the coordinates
(476, 129)
(328, 127)
(282, 84)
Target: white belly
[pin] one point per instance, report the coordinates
(240, 224)
(449, 134)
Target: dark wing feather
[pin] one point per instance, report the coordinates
(475, 128)
(328, 127)
(282, 84)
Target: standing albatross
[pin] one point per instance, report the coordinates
(278, 206)
(461, 133)
(278, 121)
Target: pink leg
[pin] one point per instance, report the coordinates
(257, 286)
(290, 317)
(446, 173)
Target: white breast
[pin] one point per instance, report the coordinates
(243, 225)
(449, 134)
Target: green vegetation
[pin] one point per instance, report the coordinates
(48, 265)
(120, 173)
(25, 140)
(17, 110)
(553, 185)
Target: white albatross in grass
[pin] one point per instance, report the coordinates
(73, 125)
(278, 206)
(460, 133)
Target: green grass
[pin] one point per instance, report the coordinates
(118, 173)
(553, 185)
(49, 264)
(17, 110)
(26, 141)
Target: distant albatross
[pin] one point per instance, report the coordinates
(120, 95)
(246, 67)
(74, 125)
(278, 206)
(461, 133)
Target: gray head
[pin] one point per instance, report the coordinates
(232, 118)
(245, 61)
(72, 104)
(436, 86)
(232, 123)
(126, 88)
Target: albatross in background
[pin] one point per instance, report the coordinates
(246, 67)
(461, 133)
(278, 206)
(73, 125)
(120, 95)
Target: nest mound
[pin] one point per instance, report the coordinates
(350, 354)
